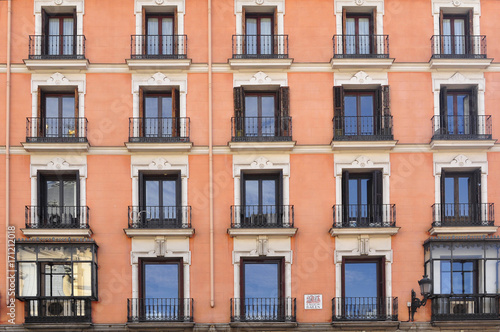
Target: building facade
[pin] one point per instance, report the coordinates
(249, 165)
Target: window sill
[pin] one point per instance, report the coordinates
(261, 231)
(459, 63)
(383, 63)
(57, 326)
(137, 64)
(252, 146)
(468, 325)
(259, 326)
(155, 326)
(159, 232)
(57, 64)
(260, 63)
(54, 147)
(462, 144)
(151, 147)
(57, 232)
(476, 230)
(368, 231)
(365, 145)
(367, 325)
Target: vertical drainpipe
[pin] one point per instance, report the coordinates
(7, 145)
(211, 155)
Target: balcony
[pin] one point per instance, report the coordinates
(159, 310)
(260, 51)
(463, 218)
(56, 134)
(272, 133)
(458, 307)
(364, 308)
(450, 131)
(158, 52)
(57, 220)
(56, 52)
(262, 219)
(159, 220)
(155, 134)
(459, 51)
(362, 132)
(263, 310)
(361, 51)
(58, 310)
(364, 218)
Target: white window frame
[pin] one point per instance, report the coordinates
(63, 4)
(278, 4)
(163, 4)
(357, 6)
(456, 6)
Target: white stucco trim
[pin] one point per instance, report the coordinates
(80, 10)
(164, 4)
(58, 80)
(58, 163)
(278, 4)
(453, 6)
(357, 5)
(361, 79)
(260, 79)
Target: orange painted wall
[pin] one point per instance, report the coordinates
(195, 27)
(23, 25)
(492, 100)
(412, 106)
(20, 107)
(223, 107)
(311, 107)
(197, 108)
(223, 27)
(489, 27)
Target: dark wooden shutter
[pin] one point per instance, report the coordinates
(470, 23)
(345, 198)
(242, 287)
(175, 112)
(39, 122)
(284, 111)
(77, 175)
(443, 190)
(386, 111)
(473, 114)
(441, 38)
(176, 38)
(381, 286)
(477, 186)
(45, 32)
(181, 287)
(275, 40)
(377, 198)
(144, 39)
(373, 31)
(77, 113)
(75, 34)
(141, 122)
(443, 110)
(344, 32)
(377, 116)
(338, 110)
(469, 33)
(142, 201)
(239, 111)
(441, 16)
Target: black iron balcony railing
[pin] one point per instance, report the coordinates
(361, 46)
(261, 129)
(46, 47)
(57, 216)
(262, 216)
(461, 127)
(260, 46)
(364, 215)
(463, 214)
(160, 310)
(158, 130)
(458, 47)
(56, 130)
(159, 217)
(57, 310)
(364, 308)
(362, 128)
(463, 307)
(158, 47)
(263, 310)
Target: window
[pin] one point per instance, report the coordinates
(160, 201)
(461, 198)
(162, 291)
(458, 112)
(465, 277)
(57, 280)
(259, 33)
(456, 31)
(261, 116)
(59, 200)
(59, 33)
(363, 292)
(358, 31)
(160, 38)
(362, 114)
(159, 115)
(262, 289)
(362, 199)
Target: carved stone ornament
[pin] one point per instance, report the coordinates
(360, 78)
(57, 78)
(261, 162)
(458, 78)
(159, 2)
(260, 78)
(456, 3)
(58, 163)
(259, 2)
(159, 79)
(359, 2)
(160, 164)
(58, 2)
(461, 161)
(362, 162)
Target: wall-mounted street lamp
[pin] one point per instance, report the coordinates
(425, 289)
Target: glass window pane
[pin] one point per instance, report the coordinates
(169, 193)
(161, 281)
(361, 279)
(251, 192)
(152, 193)
(27, 279)
(350, 115)
(82, 279)
(68, 36)
(51, 253)
(267, 106)
(69, 191)
(269, 192)
(261, 280)
(463, 190)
